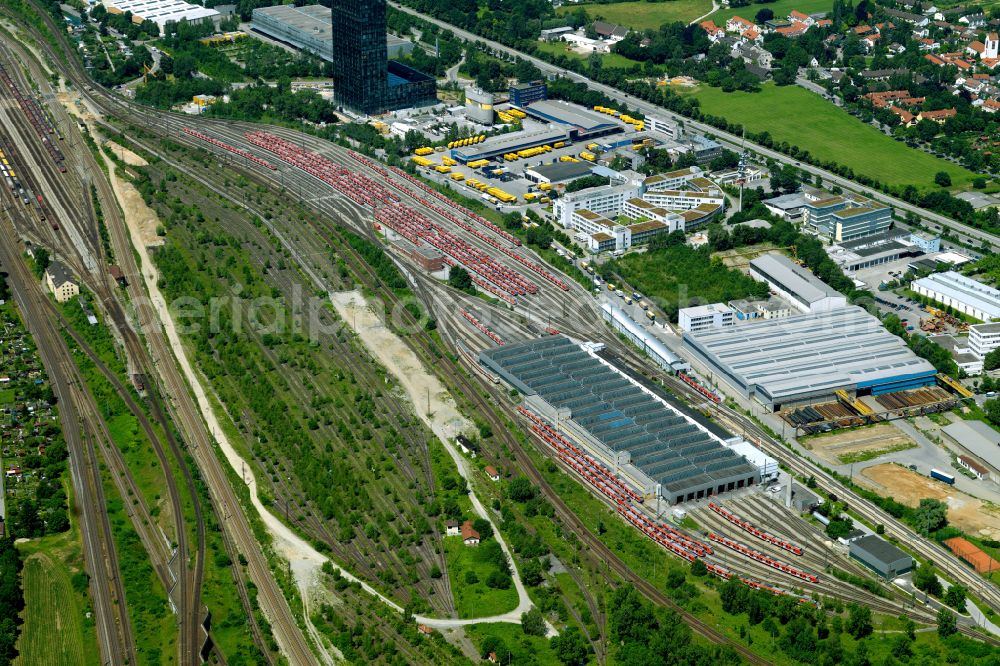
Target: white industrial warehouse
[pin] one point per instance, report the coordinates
(796, 284)
(805, 359)
(961, 293)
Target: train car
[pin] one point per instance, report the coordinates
(944, 477)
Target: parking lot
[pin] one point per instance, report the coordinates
(511, 177)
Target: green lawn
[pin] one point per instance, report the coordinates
(475, 600)
(805, 119)
(646, 15)
(781, 9)
(607, 59)
(7, 396)
(524, 649)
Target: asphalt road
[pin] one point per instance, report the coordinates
(725, 138)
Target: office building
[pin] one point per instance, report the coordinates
(847, 217)
(523, 94)
(364, 78)
(704, 317)
(961, 293)
(984, 338)
(796, 284)
(310, 28)
(927, 243)
(629, 428)
(805, 359)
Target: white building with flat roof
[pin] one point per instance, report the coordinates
(703, 317)
(796, 284)
(984, 338)
(961, 293)
(162, 12)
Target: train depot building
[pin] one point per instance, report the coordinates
(649, 442)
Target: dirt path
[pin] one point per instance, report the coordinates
(444, 419)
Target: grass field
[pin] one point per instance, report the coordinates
(607, 59)
(524, 649)
(781, 9)
(53, 624)
(646, 15)
(56, 629)
(477, 599)
(804, 119)
(7, 396)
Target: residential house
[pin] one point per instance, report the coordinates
(796, 29)
(715, 33)
(752, 54)
(60, 282)
(611, 32)
(937, 116)
(738, 24)
(795, 16)
(425, 630)
(470, 537)
(451, 528)
(753, 36)
(928, 44)
(991, 106)
(918, 20)
(492, 472)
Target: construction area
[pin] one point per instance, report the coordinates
(968, 513)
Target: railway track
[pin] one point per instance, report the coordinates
(187, 592)
(951, 566)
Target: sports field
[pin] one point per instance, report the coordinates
(781, 9)
(804, 119)
(643, 15)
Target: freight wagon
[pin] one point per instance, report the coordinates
(943, 476)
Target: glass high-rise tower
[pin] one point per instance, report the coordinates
(365, 80)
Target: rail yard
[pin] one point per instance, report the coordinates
(52, 191)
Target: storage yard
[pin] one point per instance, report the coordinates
(839, 448)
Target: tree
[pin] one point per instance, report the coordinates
(699, 569)
(459, 278)
(532, 623)
(947, 623)
(954, 596)
(484, 528)
(839, 527)
(992, 360)
(763, 16)
(931, 515)
(531, 572)
(925, 578)
(41, 261)
(570, 647)
(942, 178)
(520, 489)
(859, 621)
